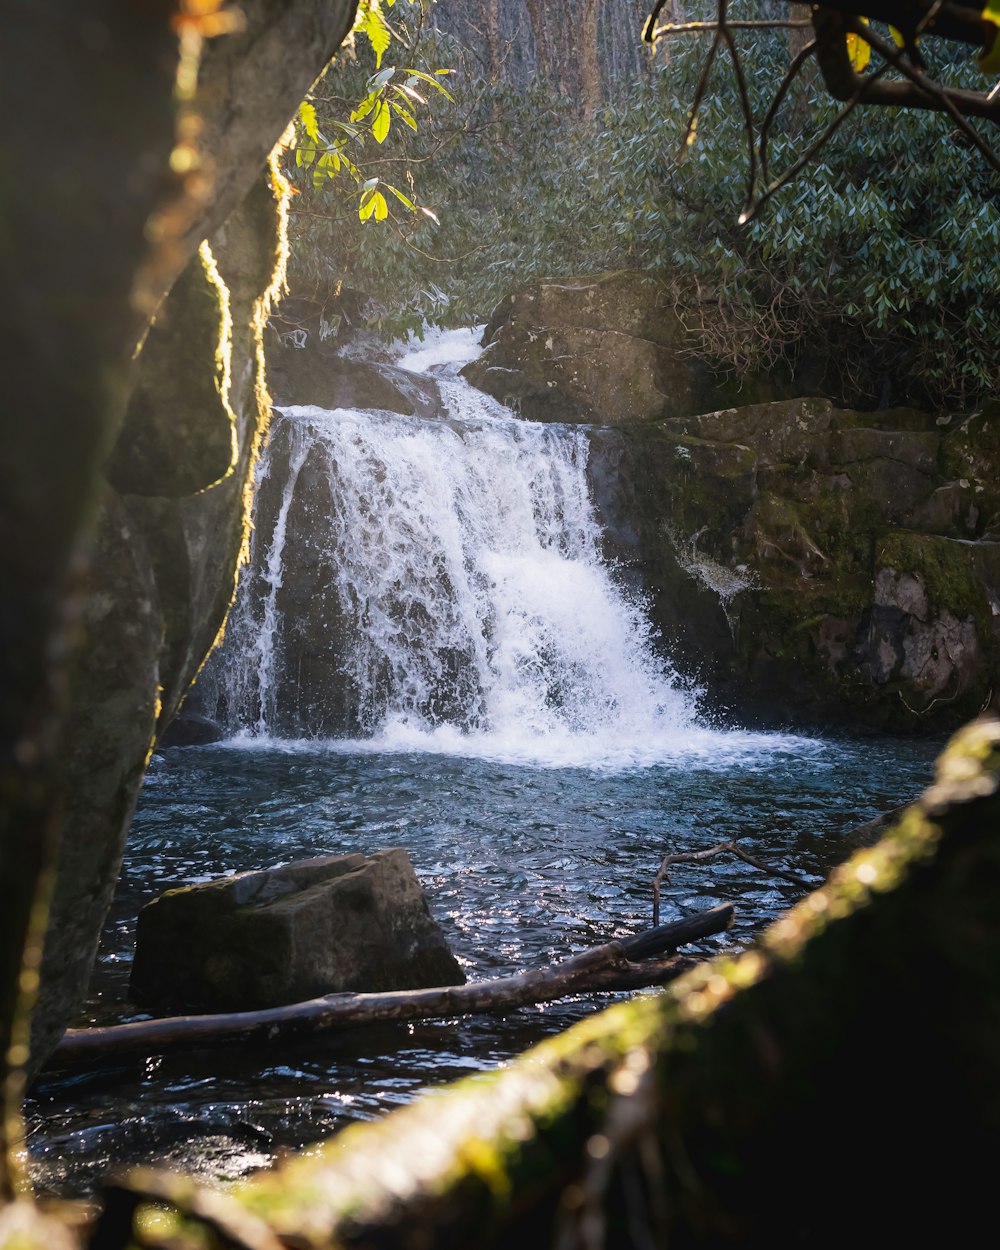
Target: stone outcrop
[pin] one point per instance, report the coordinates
(125, 495)
(606, 349)
(305, 369)
(808, 562)
(801, 561)
(283, 935)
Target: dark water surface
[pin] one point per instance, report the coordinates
(521, 865)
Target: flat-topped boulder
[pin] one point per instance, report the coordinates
(282, 935)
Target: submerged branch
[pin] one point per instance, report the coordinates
(712, 852)
(625, 964)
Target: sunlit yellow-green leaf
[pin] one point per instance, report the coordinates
(365, 107)
(858, 50)
(380, 122)
(372, 25)
(403, 199)
(415, 74)
(989, 62)
(367, 205)
(405, 115)
(307, 116)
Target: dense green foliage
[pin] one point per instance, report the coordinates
(882, 255)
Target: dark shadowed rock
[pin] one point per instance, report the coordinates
(282, 935)
(191, 729)
(102, 236)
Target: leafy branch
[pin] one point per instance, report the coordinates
(390, 95)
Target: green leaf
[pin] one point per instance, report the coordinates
(307, 116)
(378, 81)
(372, 26)
(367, 205)
(365, 107)
(419, 75)
(380, 123)
(989, 61)
(348, 129)
(404, 114)
(403, 199)
(408, 90)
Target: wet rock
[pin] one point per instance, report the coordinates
(282, 935)
(813, 564)
(179, 434)
(191, 729)
(313, 374)
(606, 349)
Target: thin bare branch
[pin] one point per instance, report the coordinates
(713, 852)
(791, 73)
(817, 145)
(699, 93)
(747, 107)
(684, 28)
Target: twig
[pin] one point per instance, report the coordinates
(699, 93)
(745, 105)
(720, 848)
(684, 28)
(798, 61)
(818, 143)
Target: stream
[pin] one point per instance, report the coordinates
(429, 651)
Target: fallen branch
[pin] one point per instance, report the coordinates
(721, 848)
(624, 964)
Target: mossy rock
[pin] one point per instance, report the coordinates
(281, 935)
(179, 435)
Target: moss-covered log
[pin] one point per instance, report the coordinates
(839, 1082)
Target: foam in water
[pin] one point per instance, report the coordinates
(483, 619)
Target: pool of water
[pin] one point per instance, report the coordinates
(522, 865)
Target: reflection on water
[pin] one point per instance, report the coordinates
(521, 865)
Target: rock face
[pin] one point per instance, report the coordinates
(801, 561)
(314, 927)
(604, 349)
(163, 511)
(306, 369)
(812, 563)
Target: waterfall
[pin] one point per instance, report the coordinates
(438, 583)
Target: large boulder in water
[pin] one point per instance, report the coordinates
(283, 935)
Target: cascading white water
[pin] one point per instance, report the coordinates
(474, 610)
